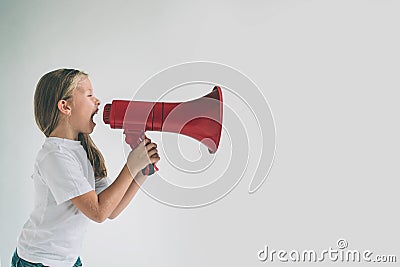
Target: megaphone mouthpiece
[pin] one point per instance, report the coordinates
(106, 113)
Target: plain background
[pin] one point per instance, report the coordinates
(329, 70)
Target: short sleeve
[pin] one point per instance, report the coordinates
(102, 184)
(64, 176)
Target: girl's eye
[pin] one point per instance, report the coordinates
(90, 95)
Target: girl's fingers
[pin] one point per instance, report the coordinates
(148, 140)
(154, 159)
(152, 152)
(151, 146)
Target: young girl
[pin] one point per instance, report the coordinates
(70, 174)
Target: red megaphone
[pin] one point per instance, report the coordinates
(200, 119)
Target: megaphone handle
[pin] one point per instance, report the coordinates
(150, 169)
(133, 139)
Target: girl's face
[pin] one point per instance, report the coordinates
(84, 105)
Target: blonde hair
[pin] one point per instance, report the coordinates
(60, 85)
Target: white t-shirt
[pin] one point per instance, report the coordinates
(55, 229)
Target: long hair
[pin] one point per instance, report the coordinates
(60, 85)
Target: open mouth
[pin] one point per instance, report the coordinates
(94, 113)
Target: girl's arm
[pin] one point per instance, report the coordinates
(99, 207)
(130, 193)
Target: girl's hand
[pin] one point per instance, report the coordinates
(144, 154)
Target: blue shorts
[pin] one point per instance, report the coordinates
(18, 262)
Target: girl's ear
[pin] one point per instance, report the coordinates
(64, 107)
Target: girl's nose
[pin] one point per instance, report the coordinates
(97, 101)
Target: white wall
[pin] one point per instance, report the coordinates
(329, 70)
